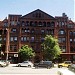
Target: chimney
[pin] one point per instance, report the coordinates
(64, 15)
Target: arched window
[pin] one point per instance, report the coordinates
(52, 24)
(23, 23)
(44, 24)
(27, 23)
(36, 23)
(48, 24)
(61, 32)
(40, 24)
(31, 23)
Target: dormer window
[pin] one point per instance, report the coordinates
(70, 26)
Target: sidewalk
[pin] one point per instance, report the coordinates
(65, 72)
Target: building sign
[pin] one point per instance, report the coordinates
(15, 55)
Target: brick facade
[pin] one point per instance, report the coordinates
(31, 29)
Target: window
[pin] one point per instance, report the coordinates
(24, 38)
(27, 38)
(52, 24)
(63, 23)
(71, 33)
(70, 40)
(13, 48)
(42, 39)
(40, 24)
(32, 23)
(12, 22)
(48, 24)
(23, 30)
(59, 24)
(74, 40)
(74, 33)
(27, 23)
(70, 26)
(14, 38)
(61, 32)
(26, 30)
(32, 39)
(21, 38)
(11, 39)
(0, 38)
(32, 30)
(5, 24)
(42, 31)
(61, 40)
(50, 31)
(4, 38)
(44, 24)
(23, 23)
(71, 49)
(36, 23)
(63, 48)
(14, 30)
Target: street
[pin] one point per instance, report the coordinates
(28, 71)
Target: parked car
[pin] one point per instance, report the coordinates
(2, 64)
(72, 68)
(45, 64)
(25, 63)
(64, 64)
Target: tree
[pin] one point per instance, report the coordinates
(26, 53)
(51, 49)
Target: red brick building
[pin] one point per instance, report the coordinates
(31, 29)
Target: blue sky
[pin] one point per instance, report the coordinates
(52, 7)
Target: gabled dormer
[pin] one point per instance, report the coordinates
(38, 14)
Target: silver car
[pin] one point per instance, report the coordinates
(26, 64)
(2, 64)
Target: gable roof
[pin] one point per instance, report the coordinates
(38, 14)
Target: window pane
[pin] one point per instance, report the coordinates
(21, 38)
(11, 39)
(15, 38)
(24, 38)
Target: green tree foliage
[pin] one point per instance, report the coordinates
(26, 53)
(51, 49)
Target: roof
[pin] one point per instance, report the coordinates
(34, 13)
